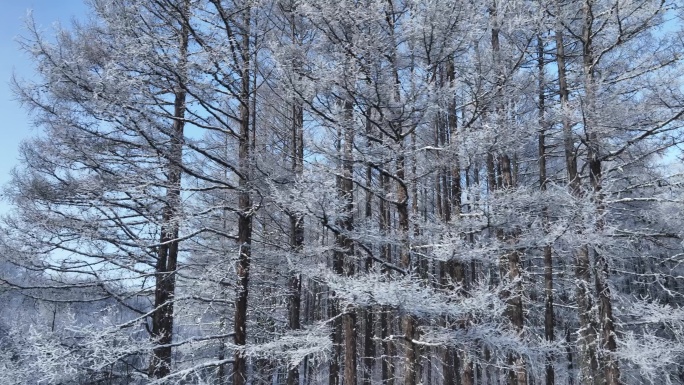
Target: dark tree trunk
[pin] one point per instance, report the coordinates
(548, 261)
(505, 180)
(343, 260)
(296, 222)
(167, 254)
(245, 209)
(369, 330)
(608, 362)
(588, 361)
(388, 348)
(408, 321)
(347, 224)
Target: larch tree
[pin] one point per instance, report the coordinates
(374, 191)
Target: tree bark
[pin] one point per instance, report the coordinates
(408, 321)
(388, 348)
(245, 208)
(608, 362)
(167, 255)
(587, 341)
(296, 231)
(343, 260)
(368, 314)
(347, 224)
(518, 375)
(549, 320)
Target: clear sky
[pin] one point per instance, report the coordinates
(15, 124)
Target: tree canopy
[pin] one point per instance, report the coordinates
(310, 192)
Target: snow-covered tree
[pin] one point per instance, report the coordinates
(343, 192)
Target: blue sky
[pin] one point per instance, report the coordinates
(15, 122)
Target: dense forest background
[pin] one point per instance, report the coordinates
(309, 192)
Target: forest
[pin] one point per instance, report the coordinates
(349, 192)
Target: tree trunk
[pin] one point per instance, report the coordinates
(167, 255)
(349, 321)
(296, 231)
(408, 322)
(568, 139)
(548, 261)
(388, 348)
(343, 260)
(369, 330)
(587, 348)
(244, 214)
(453, 126)
(347, 224)
(608, 362)
(587, 342)
(518, 375)
(336, 355)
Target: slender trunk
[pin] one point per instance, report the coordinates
(491, 173)
(225, 286)
(474, 205)
(516, 315)
(349, 319)
(402, 204)
(587, 342)
(456, 189)
(518, 375)
(296, 231)
(587, 346)
(368, 347)
(444, 127)
(167, 255)
(344, 263)
(506, 172)
(408, 322)
(571, 367)
(423, 263)
(294, 303)
(388, 348)
(568, 139)
(244, 213)
(438, 175)
(410, 354)
(608, 362)
(468, 370)
(349, 324)
(369, 175)
(334, 366)
(369, 331)
(414, 184)
(221, 374)
(548, 261)
(448, 367)
(455, 269)
(468, 374)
